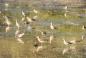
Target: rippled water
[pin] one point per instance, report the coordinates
(11, 48)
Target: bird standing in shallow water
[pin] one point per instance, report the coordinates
(69, 42)
(29, 19)
(65, 8)
(7, 21)
(51, 38)
(39, 40)
(35, 11)
(71, 48)
(17, 24)
(83, 27)
(19, 36)
(7, 28)
(23, 13)
(8, 24)
(65, 50)
(39, 48)
(20, 40)
(34, 18)
(51, 26)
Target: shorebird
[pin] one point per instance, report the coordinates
(70, 48)
(34, 18)
(42, 32)
(19, 36)
(17, 32)
(8, 24)
(69, 42)
(51, 26)
(65, 50)
(65, 14)
(17, 24)
(20, 40)
(6, 4)
(82, 37)
(23, 13)
(35, 11)
(65, 7)
(83, 27)
(51, 38)
(29, 19)
(39, 48)
(39, 40)
(23, 18)
(7, 28)
(7, 21)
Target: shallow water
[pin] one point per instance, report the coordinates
(12, 48)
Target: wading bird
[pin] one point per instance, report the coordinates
(39, 40)
(70, 48)
(83, 27)
(7, 21)
(35, 11)
(65, 8)
(51, 26)
(34, 18)
(23, 14)
(29, 19)
(19, 36)
(17, 32)
(20, 40)
(39, 48)
(8, 24)
(69, 42)
(65, 14)
(42, 32)
(17, 24)
(51, 38)
(65, 50)
(6, 4)
(7, 28)
(23, 18)
(82, 37)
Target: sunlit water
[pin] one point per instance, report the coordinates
(11, 48)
